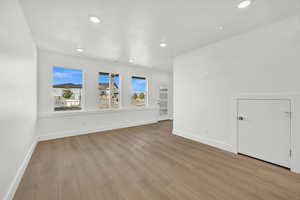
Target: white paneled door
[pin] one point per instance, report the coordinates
(163, 103)
(264, 130)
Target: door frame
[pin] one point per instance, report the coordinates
(164, 117)
(269, 99)
(295, 110)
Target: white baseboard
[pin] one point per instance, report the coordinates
(163, 118)
(18, 177)
(210, 142)
(56, 135)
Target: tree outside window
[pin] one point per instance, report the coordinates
(67, 88)
(139, 87)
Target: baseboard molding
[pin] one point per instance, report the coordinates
(18, 177)
(210, 142)
(57, 135)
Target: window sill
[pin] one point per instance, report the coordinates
(59, 114)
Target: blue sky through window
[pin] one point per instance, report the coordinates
(117, 81)
(138, 85)
(66, 75)
(104, 78)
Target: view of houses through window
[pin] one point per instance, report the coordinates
(109, 90)
(139, 88)
(67, 88)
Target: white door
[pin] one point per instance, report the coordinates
(264, 128)
(163, 103)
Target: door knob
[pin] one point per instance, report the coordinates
(240, 118)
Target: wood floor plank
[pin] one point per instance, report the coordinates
(149, 163)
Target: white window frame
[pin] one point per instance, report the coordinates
(146, 90)
(82, 99)
(110, 89)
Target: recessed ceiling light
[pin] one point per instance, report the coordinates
(220, 27)
(131, 60)
(79, 49)
(163, 44)
(94, 19)
(244, 4)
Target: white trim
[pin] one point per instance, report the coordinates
(110, 88)
(164, 117)
(56, 135)
(90, 112)
(210, 142)
(82, 97)
(293, 97)
(167, 116)
(120, 91)
(18, 177)
(147, 88)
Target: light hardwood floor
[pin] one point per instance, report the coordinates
(149, 163)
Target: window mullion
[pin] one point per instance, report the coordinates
(109, 93)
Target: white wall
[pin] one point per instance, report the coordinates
(18, 100)
(53, 125)
(262, 61)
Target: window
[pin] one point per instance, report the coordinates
(67, 88)
(109, 90)
(139, 88)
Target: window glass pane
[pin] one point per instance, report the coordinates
(67, 88)
(139, 91)
(104, 90)
(115, 93)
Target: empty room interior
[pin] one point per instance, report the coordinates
(150, 100)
